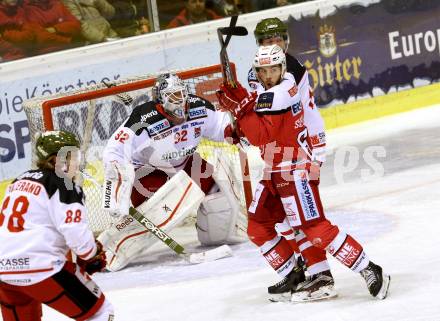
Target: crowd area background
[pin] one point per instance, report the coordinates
(33, 27)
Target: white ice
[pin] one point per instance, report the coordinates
(396, 217)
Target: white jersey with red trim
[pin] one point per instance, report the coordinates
(286, 124)
(149, 138)
(40, 220)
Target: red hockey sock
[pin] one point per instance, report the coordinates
(279, 254)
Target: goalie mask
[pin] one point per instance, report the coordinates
(268, 56)
(172, 94)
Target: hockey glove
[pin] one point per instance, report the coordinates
(235, 100)
(95, 264)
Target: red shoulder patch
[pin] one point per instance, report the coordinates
(293, 91)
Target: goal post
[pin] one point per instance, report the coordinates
(93, 113)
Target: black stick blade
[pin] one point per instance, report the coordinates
(234, 31)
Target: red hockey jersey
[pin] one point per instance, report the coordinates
(285, 123)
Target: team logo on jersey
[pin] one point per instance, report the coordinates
(197, 132)
(296, 108)
(293, 91)
(265, 101)
(327, 41)
(158, 127)
(198, 112)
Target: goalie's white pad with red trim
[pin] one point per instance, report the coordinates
(117, 188)
(168, 207)
(220, 219)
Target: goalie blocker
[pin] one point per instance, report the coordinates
(167, 208)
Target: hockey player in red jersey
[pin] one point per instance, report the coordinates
(320, 284)
(43, 217)
(287, 127)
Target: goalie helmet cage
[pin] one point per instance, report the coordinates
(95, 112)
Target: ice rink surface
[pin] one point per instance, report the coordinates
(389, 200)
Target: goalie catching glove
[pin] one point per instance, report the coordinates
(235, 100)
(96, 263)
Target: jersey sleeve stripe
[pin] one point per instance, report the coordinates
(87, 254)
(273, 112)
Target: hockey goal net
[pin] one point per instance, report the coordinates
(95, 112)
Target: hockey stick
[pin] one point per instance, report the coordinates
(229, 78)
(194, 258)
(230, 31)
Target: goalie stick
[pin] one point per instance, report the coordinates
(194, 258)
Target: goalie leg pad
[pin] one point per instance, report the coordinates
(218, 223)
(169, 206)
(221, 219)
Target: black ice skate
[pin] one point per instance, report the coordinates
(378, 282)
(280, 291)
(316, 287)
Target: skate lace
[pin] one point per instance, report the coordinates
(369, 276)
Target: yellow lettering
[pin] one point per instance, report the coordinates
(338, 70)
(346, 65)
(356, 62)
(329, 73)
(326, 73)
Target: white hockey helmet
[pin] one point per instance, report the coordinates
(170, 91)
(270, 56)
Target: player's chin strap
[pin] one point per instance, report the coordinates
(194, 258)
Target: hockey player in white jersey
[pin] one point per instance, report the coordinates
(278, 120)
(43, 217)
(158, 140)
(320, 282)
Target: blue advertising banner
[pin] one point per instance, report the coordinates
(357, 48)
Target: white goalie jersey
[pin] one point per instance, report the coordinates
(148, 138)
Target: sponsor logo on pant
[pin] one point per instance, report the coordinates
(308, 203)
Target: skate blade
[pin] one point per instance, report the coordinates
(385, 287)
(280, 297)
(323, 293)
